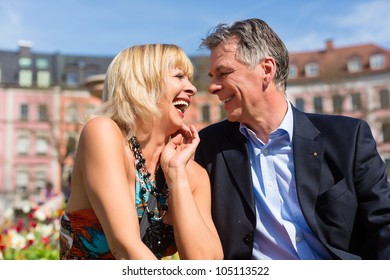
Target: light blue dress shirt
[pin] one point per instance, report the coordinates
(281, 229)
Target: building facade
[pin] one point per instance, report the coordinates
(41, 98)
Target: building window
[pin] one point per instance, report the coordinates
(43, 79)
(42, 63)
(318, 104)
(356, 102)
(222, 112)
(22, 180)
(71, 145)
(206, 113)
(90, 109)
(71, 114)
(386, 132)
(337, 104)
(377, 61)
(23, 145)
(41, 146)
(42, 113)
(384, 98)
(24, 112)
(293, 71)
(300, 104)
(40, 179)
(25, 78)
(25, 62)
(72, 79)
(311, 69)
(354, 65)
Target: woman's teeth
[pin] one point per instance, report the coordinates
(181, 105)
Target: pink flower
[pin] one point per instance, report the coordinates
(45, 240)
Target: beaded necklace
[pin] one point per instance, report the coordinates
(148, 186)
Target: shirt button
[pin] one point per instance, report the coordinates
(248, 238)
(298, 239)
(265, 151)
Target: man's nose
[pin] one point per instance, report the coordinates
(214, 87)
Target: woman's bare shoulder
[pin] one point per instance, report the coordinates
(99, 123)
(101, 127)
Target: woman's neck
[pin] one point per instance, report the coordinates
(151, 149)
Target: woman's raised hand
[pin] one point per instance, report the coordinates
(180, 148)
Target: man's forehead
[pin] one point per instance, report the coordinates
(224, 50)
(230, 45)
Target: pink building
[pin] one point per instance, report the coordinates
(30, 130)
(2, 134)
(76, 107)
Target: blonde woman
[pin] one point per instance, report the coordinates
(119, 207)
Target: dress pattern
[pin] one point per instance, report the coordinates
(82, 236)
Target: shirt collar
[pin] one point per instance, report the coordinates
(286, 125)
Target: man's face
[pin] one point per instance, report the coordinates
(237, 85)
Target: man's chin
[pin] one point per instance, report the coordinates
(232, 118)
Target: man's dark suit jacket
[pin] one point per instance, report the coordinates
(340, 179)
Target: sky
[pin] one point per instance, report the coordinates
(103, 28)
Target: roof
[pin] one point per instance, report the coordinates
(333, 62)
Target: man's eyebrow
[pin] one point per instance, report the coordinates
(217, 69)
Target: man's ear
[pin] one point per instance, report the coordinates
(269, 67)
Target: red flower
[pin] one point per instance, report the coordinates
(19, 228)
(45, 240)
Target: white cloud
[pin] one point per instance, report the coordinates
(366, 22)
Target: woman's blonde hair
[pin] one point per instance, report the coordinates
(134, 84)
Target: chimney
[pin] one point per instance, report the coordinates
(329, 45)
(25, 48)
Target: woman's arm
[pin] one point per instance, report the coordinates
(104, 166)
(190, 199)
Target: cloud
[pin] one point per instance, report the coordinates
(366, 22)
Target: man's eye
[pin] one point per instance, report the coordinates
(224, 74)
(180, 76)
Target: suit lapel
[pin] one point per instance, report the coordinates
(236, 156)
(308, 158)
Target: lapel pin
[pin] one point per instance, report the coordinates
(315, 154)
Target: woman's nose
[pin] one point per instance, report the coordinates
(190, 89)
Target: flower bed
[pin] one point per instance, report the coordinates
(32, 235)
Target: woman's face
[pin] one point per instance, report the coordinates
(177, 94)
